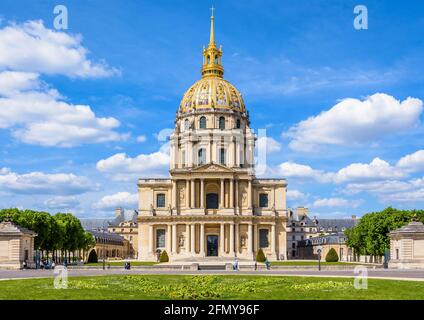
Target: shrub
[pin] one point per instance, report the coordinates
(332, 256)
(92, 257)
(260, 256)
(164, 257)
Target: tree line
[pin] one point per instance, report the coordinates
(371, 235)
(59, 236)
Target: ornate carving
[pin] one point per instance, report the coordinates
(181, 240)
(244, 198)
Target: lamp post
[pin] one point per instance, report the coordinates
(104, 253)
(319, 258)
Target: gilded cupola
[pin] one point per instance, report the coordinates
(212, 92)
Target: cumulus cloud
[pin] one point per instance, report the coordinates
(61, 202)
(120, 199)
(44, 183)
(141, 139)
(412, 162)
(269, 143)
(121, 167)
(377, 169)
(32, 47)
(336, 202)
(296, 195)
(355, 122)
(291, 169)
(36, 114)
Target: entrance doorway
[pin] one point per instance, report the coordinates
(212, 246)
(212, 201)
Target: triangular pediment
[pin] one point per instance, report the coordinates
(212, 167)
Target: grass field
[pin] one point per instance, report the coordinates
(121, 263)
(209, 287)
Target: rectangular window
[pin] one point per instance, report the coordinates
(263, 200)
(160, 200)
(222, 156)
(160, 238)
(263, 238)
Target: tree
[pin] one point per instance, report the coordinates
(332, 256)
(164, 256)
(260, 256)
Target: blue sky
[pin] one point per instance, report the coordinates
(81, 109)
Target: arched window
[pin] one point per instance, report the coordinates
(186, 124)
(221, 123)
(216, 59)
(201, 156)
(209, 59)
(202, 123)
(238, 124)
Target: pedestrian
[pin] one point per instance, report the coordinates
(256, 265)
(267, 264)
(235, 265)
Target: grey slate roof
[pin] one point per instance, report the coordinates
(336, 224)
(412, 227)
(94, 224)
(9, 228)
(110, 237)
(126, 215)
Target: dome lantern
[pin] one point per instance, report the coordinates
(212, 64)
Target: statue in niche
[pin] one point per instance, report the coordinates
(182, 196)
(244, 199)
(181, 241)
(243, 241)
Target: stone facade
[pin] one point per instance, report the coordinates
(109, 246)
(125, 224)
(308, 249)
(16, 246)
(407, 246)
(212, 204)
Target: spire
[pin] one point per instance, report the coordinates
(212, 66)
(212, 36)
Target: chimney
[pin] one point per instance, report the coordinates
(118, 212)
(302, 211)
(353, 217)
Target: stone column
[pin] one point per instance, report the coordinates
(236, 196)
(187, 238)
(174, 238)
(193, 239)
(231, 193)
(169, 239)
(202, 193)
(249, 238)
(232, 239)
(222, 240)
(255, 238)
(151, 239)
(222, 200)
(202, 239)
(273, 238)
(237, 236)
(174, 193)
(193, 194)
(187, 204)
(249, 194)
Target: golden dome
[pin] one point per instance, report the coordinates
(209, 94)
(212, 92)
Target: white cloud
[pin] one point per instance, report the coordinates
(296, 195)
(412, 162)
(355, 122)
(376, 170)
(141, 139)
(271, 144)
(120, 199)
(44, 183)
(336, 202)
(36, 114)
(123, 168)
(32, 47)
(291, 169)
(61, 202)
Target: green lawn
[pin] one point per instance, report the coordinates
(209, 287)
(310, 263)
(121, 263)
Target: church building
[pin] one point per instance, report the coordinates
(212, 205)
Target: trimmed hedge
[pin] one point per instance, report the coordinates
(332, 256)
(260, 256)
(164, 257)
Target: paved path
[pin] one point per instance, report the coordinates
(416, 275)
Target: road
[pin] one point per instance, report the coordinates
(416, 275)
